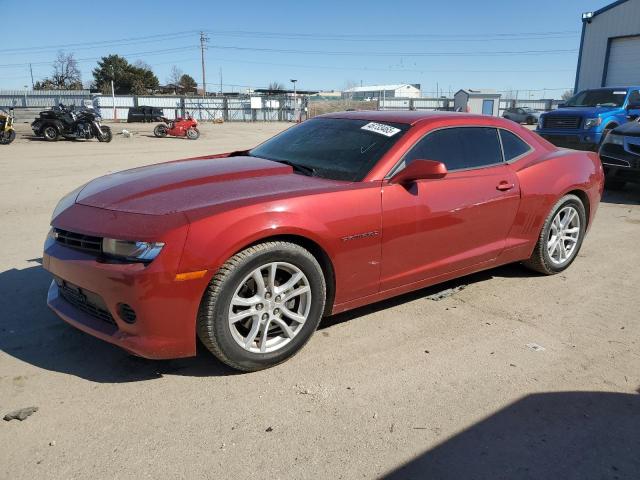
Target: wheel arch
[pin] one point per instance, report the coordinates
(584, 198)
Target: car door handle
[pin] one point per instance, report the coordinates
(504, 186)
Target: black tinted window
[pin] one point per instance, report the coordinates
(634, 97)
(457, 148)
(512, 145)
(340, 149)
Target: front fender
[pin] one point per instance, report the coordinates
(346, 225)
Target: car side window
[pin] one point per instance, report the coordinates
(634, 97)
(458, 148)
(512, 145)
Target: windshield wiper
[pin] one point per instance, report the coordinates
(308, 171)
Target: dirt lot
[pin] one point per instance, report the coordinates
(408, 388)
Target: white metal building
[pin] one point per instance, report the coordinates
(485, 102)
(374, 92)
(610, 47)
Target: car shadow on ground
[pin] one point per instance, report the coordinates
(446, 289)
(560, 435)
(33, 334)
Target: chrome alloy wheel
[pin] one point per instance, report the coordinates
(563, 235)
(269, 307)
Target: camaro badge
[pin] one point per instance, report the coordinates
(373, 233)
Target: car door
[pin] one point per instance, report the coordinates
(437, 226)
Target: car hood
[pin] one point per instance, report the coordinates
(192, 184)
(583, 111)
(630, 129)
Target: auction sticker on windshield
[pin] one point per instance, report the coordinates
(381, 128)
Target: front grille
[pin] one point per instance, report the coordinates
(562, 122)
(78, 241)
(84, 300)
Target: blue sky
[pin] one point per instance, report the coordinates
(505, 45)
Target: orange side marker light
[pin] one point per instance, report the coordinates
(181, 277)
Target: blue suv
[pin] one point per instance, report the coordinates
(586, 118)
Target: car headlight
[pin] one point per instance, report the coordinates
(592, 122)
(131, 250)
(66, 201)
(614, 139)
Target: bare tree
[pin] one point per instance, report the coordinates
(174, 76)
(142, 64)
(567, 94)
(64, 76)
(276, 86)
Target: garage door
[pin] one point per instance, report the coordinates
(624, 62)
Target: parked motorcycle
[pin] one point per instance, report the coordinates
(180, 127)
(7, 133)
(72, 123)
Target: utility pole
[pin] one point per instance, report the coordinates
(31, 70)
(220, 80)
(203, 46)
(113, 92)
(295, 101)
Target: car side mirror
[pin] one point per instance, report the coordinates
(420, 170)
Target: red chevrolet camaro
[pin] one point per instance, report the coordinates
(249, 250)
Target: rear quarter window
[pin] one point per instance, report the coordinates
(512, 145)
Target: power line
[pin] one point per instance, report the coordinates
(401, 37)
(125, 55)
(395, 36)
(380, 69)
(98, 44)
(397, 54)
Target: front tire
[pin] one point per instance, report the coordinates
(50, 133)
(7, 137)
(561, 237)
(262, 306)
(106, 136)
(193, 133)
(531, 120)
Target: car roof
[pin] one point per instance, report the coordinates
(408, 117)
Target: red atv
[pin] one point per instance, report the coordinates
(180, 127)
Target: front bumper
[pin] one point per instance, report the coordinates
(577, 140)
(165, 309)
(619, 163)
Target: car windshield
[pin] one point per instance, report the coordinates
(598, 98)
(333, 148)
(529, 110)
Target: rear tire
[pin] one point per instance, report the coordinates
(531, 120)
(233, 292)
(50, 133)
(160, 131)
(552, 242)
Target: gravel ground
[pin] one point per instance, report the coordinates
(515, 376)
